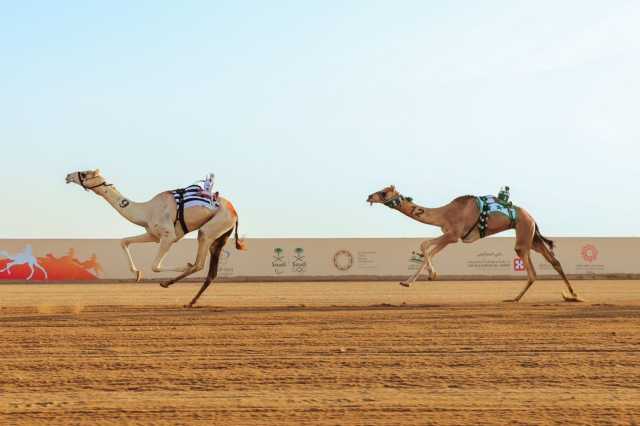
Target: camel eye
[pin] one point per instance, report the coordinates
(83, 175)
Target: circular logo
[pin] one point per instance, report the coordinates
(124, 203)
(589, 253)
(343, 260)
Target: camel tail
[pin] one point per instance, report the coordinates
(240, 244)
(545, 240)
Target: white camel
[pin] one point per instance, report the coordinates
(166, 221)
(23, 258)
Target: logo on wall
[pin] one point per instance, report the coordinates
(518, 265)
(415, 261)
(589, 253)
(278, 263)
(25, 266)
(416, 257)
(224, 256)
(298, 264)
(343, 260)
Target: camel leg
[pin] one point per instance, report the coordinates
(215, 250)
(219, 225)
(531, 273)
(204, 243)
(541, 248)
(46, 276)
(8, 267)
(425, 246)
(32, 272)
(437, 249)
(165, 245)
(126, 242)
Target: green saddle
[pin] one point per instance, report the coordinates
(488, 204)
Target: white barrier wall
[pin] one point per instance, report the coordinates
(312, 258)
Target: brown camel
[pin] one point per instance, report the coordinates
(467, 219)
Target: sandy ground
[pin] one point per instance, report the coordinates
(441, 353)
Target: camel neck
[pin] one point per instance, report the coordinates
(127, 208)
(420, 213)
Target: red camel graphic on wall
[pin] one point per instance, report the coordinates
(25, 266)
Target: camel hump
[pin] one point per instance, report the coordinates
(464, 198)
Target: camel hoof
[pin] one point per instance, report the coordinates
(165, 285)
(402, 283)
(433, 276)
(511, 301)
(138, 276)
(571, 298)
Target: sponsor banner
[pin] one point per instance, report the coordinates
(310, 258)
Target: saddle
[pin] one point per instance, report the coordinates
(191, 196)
(488, 204)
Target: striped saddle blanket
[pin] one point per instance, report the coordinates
(195, 196)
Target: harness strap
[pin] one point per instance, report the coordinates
(180, 214)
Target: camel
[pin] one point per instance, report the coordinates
(25, 257)
(165, 223)
(469, 218)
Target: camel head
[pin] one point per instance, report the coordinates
(88, 179)
(384, 195)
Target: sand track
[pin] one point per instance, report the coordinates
(322, 353)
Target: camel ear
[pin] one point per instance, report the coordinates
(96, 172)
(393, 188)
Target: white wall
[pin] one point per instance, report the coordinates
(307, 258)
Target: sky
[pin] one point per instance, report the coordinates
(303, 108)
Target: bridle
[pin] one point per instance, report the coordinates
(396, 201)
(82, 180)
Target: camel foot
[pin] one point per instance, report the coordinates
(138, 276)
(166, 285)
(402, 283)
(433, 276)
(571, 298)
(511, 301)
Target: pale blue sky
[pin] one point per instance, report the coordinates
(303, 108)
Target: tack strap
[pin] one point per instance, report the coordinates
(81, 180)
(396, 201)
(180, 214)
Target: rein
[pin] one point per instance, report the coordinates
(86, 188)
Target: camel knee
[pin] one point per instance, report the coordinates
(198, 266)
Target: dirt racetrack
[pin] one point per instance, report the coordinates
(442, 353)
